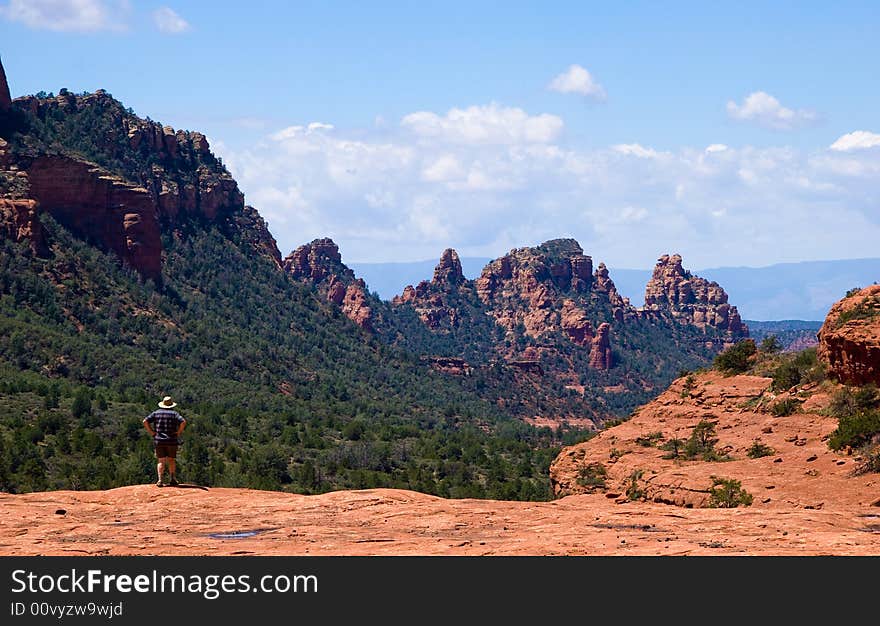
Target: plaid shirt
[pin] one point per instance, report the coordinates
(165, 424)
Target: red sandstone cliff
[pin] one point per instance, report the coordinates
(164, 178)
(19, 222)
(544, 291)
(524, 286)
(119, 216)
(849, 340)
(634, 461)
(319, 264)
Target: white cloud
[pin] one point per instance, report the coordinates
(393, 194)
(636, 150)
(68, 15)
(445, 168)
(292, 131)
(169, 22)
(856, 140)
(765, 110)
(492, 124)
(715, 147)
(577, 79)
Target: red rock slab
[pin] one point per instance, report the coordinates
(146, 520)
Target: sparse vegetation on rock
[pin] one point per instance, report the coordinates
(592, 477)
(701, 444)
(759, 450)
(727, 493)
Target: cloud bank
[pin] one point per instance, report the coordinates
(485, 179)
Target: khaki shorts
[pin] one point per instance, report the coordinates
(166, 450)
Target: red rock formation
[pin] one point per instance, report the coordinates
(5, 98)
(19, 222)
(849, 340)
(317, 261)
(448, 270)
(449, 365)
(183, 180)
(547, 289)
(118, 216)
(690, 299)
(526, 364)
(432, 300)
(801, 475)
(408, 295)
(200, 143)
(575, 324)
(356, 307)
(263, 241)
(603, 284)
(320, 265)
(784, 521)
(600, 352)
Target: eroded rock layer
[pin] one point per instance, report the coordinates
(849, 340)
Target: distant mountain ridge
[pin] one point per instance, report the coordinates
(784, 291)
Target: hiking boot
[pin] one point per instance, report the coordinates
(173, 482)
(160, 483)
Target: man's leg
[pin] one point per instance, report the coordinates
(160, 467)
(172, 467)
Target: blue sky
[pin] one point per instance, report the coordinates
(638, 128)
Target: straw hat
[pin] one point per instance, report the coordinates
(167, 403)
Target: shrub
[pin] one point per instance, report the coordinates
(804, 367)
(689, 383)
(701, 443)
(784, 407)
(855, 430)
(759, 450)
(786, 376)
(592, 476)
(354, 430)
(770, 345)
(650, 440)
(633, 490)
(727, 493)
(82, 403)
(849, 401)
(866, 309)
(674, 447)
(736, 359)
(866, 397)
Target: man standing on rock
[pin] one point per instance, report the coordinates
(165, 426)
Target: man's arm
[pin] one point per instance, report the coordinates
(149, 427)
(181, 426)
